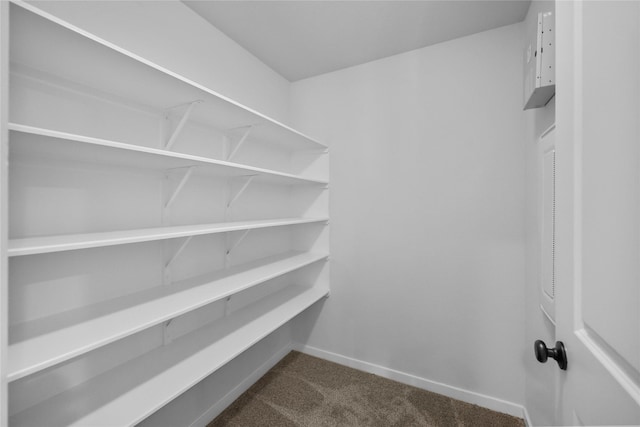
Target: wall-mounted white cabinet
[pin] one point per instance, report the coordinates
(540, 63)
(156, 229)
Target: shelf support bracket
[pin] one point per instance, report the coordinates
(226, 306)
(178, 189)
(233, 149)
(166, 335)
(232, 245)
(174, 136)
(178, 252)
(234, 197)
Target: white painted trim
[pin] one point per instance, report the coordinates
(547, 315)
(217, 408)
(4, 210)
(493, 403)
(525, 416)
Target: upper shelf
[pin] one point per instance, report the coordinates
(70, 53)
(69, 242)
(51, 144)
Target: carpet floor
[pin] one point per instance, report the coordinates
(304, 391)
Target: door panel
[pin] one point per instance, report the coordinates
(610, 176)
(597, 396)
(598, 211)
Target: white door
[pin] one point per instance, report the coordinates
(598, 211)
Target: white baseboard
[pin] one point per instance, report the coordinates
(217, 408)
(493, 403)
(479, 399)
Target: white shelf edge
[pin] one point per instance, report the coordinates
(157, 67)
(33, 355)
(162, 384)
(50, 133)
(61, 243)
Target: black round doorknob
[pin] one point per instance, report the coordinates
(558, 353)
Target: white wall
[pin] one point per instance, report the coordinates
(540, 379)
(427, 215)
(170, 34)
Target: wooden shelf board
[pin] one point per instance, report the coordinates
(28, 142)
(68, 242)
(75, 55)
(133, 391)
(94, 327)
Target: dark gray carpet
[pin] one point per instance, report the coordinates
(304, 391)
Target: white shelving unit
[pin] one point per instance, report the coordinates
(156, 229)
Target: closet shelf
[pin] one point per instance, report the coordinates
(74, 55)
(51, 144)
(84, 330)
(68, 242)
(80, 107)
(127, 394)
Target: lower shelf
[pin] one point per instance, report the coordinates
(127, 395)
(72, 334)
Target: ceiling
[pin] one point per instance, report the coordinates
(300, 39)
